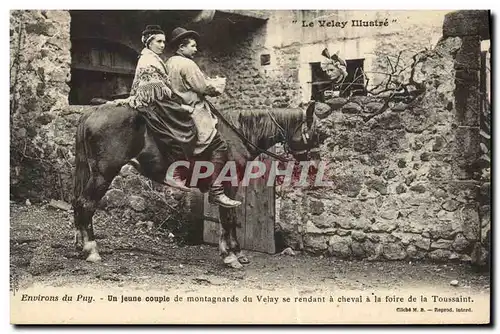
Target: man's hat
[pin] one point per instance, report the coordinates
(180, 33)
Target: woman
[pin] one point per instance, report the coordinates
(167, 118)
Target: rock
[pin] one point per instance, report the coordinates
(114, 198)
(149, 224)
(439, 255)
(401, 188)
(137, 203)
(322, 110)
(389, 214)
(422, 243)
(327, 222)
(336, 103)
(344, 222)
(372, 107)
(469, 214)
(450, 205)
(358, 235)
(438, 144)
(314, 243)
(440, 193)
(414, 253)
(390, 174)
(288, 251)
(374, 251)
(409, 179)
(441, 244)
(419, 188)
(454, 283)
(339, 246)
(426, 156)
(342, 232)
(349, 185)
(357, 249)
(355, 210)
(352, 108)
(128, 170)
(383, 226)
(62, 205)
(378, 185)
(311, 228)
(401, 163)
(399, 107)
(388, 121)
(361, 223)
(28, 202)
(393, 251)
(316, 207)
(445, 229)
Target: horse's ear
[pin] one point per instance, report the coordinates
(310, 113)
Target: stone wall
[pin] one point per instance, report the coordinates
(249, 84)
(41, 126)
(406, 182)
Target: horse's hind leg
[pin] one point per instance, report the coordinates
(84, 209)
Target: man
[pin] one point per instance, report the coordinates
(192, 86)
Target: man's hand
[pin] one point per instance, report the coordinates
(187, 108)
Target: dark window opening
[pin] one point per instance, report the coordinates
(100, 69)
(353, 84)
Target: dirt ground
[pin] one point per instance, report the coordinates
(42, 253)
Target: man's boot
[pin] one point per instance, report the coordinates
(216, 196)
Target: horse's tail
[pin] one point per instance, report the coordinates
(83, 169)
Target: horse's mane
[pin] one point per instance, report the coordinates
(256, 124)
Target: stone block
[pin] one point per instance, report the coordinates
(441, 244)
(460, 244)
(316, 207)
(352, 108)
(467, 23)
(394, 251)
(440, 255)
(357, 249)
(340, 246)
(469, 55)
(315, 244)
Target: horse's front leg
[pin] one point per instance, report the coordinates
(235, 246)
(226, 240)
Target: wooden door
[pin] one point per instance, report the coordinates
(256, 217)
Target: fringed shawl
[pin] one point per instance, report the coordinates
(151, 82)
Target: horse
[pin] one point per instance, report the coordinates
(111, 136)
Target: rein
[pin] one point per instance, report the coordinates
(242, 137)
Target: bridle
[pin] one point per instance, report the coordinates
(308, 139)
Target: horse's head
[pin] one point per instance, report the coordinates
(304, 143)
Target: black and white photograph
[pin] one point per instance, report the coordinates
(233, 166)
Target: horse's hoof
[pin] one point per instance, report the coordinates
(232, 262)
(243, 259)
(94, 257)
